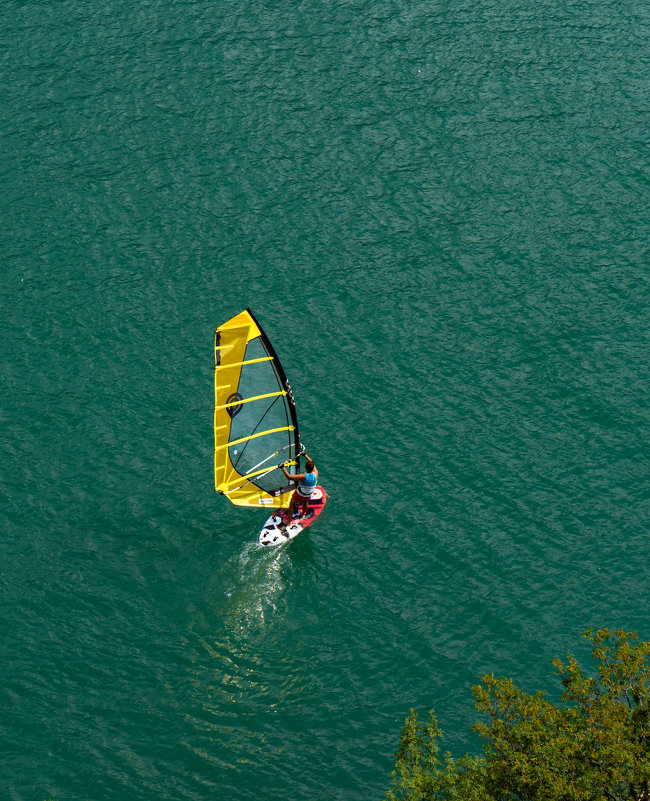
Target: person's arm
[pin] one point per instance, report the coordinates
(307, 456)
(291, 476)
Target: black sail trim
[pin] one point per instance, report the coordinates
(284, 381)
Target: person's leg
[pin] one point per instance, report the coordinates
(290, 510)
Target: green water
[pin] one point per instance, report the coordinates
(439, 212)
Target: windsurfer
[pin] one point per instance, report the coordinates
(305, 486)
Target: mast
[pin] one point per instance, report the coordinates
(285, 383)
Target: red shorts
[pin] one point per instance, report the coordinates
(298, 498)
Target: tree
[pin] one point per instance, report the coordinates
(420, 775)
(594, 746)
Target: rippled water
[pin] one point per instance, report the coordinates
(440, 215)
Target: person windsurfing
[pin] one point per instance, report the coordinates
(305, 486)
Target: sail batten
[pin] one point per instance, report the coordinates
(238, 482)
(251, 393)
(252, 361)
(253, 436)
(249, 400)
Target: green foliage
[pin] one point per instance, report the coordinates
(594, 746)
(420, 775)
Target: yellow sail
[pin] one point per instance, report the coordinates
(255, 422)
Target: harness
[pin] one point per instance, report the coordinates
(306, 487)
